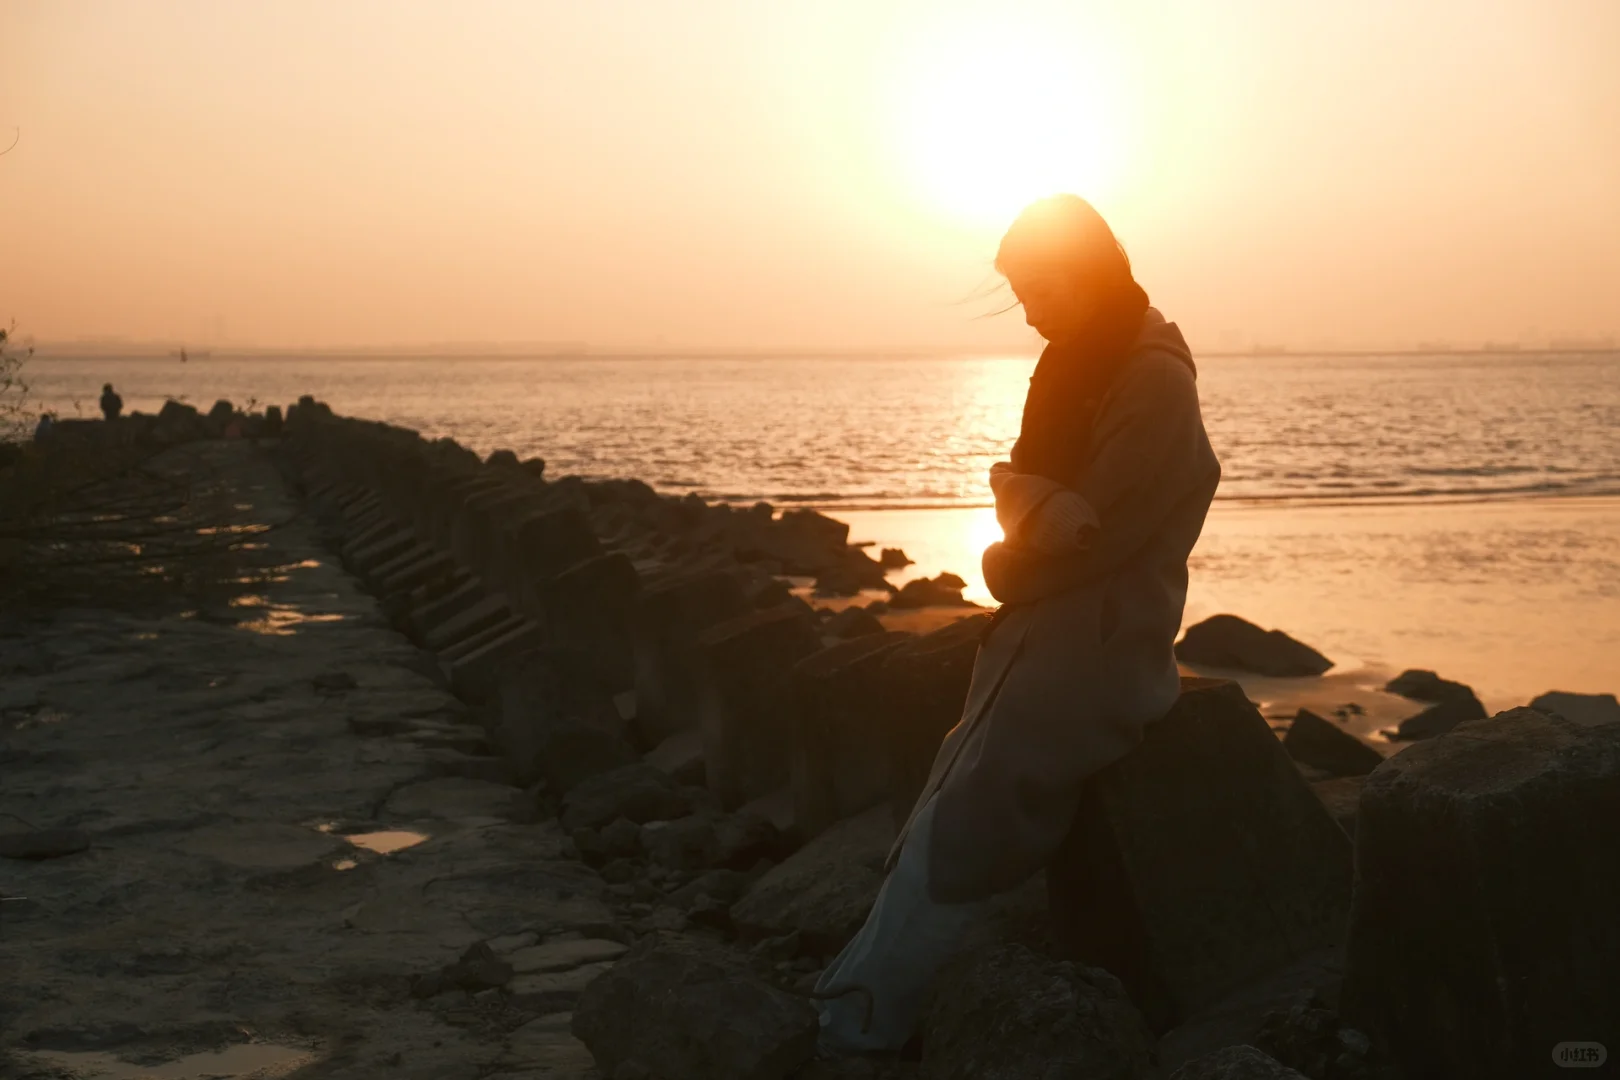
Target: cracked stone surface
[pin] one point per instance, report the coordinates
(220, 917)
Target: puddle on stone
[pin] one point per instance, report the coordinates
(283, 621)
(388, 841)
(345, 864)
(258, 1061)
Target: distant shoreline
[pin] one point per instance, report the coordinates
(215, 356)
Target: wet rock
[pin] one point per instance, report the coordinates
(636, 791)
(893, 559)
(1226, 641)
(852, 622)
(839, 581)
(742, 679)
(825, 889)
(38, 844)
(1199, 861)
(688, 1011)
(1236, 1063)
(1421, 685)
(839, 763)
(1589, 710)
(1483, 932)
(1007, 1013)
(500, 458)
(942, 591)
(1325, 745)
(1440, 718)
(1311, 1038)
(926, 685)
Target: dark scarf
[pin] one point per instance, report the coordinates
(1068, 386)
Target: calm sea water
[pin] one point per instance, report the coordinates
(1392, 511)
(887, 432)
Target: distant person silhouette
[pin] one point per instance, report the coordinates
(111, 403)
(42, 430)
(1101, 503)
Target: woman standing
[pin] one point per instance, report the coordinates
(1104, 497)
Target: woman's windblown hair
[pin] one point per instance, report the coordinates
(1066, 235)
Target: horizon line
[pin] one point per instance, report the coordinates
(147, 350)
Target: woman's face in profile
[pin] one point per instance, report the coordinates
(1055, 304)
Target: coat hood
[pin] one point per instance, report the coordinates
(1160, 336)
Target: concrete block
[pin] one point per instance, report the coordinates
(926, 684)
(664, 629)
(840, 748)
(742, 689)
(464, 624)
(1483, 931)
(1200, 861)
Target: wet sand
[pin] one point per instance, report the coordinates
(282, 832)
(1513, 598)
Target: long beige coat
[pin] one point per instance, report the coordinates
(1071, 672)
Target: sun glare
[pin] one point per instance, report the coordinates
(989, 116)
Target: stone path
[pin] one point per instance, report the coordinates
(287, 822)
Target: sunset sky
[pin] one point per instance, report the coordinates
(828, 175)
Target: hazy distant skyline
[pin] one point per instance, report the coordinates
(734, 175)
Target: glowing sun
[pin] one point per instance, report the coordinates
(989, 116)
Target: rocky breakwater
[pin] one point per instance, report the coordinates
(730, 762)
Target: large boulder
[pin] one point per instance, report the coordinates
(682, 1010)
(1450, 703)
(1483, 930)
(926, 686)
(1237, 1063)
(1226, 641)
(708, 841)
(1590, 710)
(637, 791)
(743, 664)
(942, 591)
(1322, 744)
(1423, 685)
(824, 890)
(1200, 861)
(1007, 1013)
(839, 761)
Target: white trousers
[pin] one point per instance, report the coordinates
(906, 939)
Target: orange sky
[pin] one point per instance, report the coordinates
(732, 173)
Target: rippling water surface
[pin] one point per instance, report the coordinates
(881, 432)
